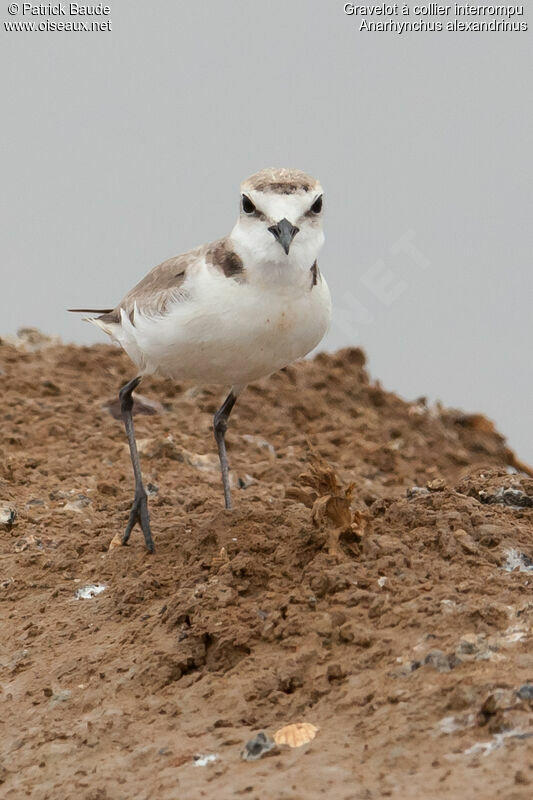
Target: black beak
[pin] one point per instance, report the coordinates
(284, 232)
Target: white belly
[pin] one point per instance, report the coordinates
(229, 333)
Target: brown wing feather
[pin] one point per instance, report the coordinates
(164, 284)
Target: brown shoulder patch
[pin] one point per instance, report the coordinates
(222, 257)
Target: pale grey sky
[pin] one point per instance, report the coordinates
(124, 147)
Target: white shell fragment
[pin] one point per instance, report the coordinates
(296, 735)
(203, 761)
(89, 591)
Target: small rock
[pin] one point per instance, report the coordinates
(242, 481)
(498, 700)
(436, 485)
(346, 633)
(439, 660)
(257, 747)
(323, 624)
(35, 501)
(468, 644)
(416, 491)
(335, 672)
(526, 692)
(61, 697)
(514, 498)
(77, 504)
(517, 561)
(25, 541)
(8, 515)
(90, 591)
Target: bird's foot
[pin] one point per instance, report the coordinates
(139, 514)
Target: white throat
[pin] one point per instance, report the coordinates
(265, 260)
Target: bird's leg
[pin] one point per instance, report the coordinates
(220, 425)
(139, 509)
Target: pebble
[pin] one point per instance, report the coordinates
(63, 696)
(468, 644)
(517, 561)
(346, 633)
(323, 624)
(335, 672)
(498, 700)
(77, 504)
(8, 514)
(436, 485)
(416, 491)
(257, 747)
(514, 498)
(526, 692)
(90, 591)
(439, 660)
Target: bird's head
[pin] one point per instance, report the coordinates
(280, 220)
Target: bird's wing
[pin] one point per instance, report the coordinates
(164, 284)
(173, 282)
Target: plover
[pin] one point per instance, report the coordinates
(228, 312)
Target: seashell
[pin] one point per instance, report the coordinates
(296, 735)
(116, 541)
(220, 560)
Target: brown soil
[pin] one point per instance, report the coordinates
(346, 598)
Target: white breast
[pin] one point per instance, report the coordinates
(228, 332)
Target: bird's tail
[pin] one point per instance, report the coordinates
(107, 318)
(90, 310)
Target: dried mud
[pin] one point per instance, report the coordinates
(374, 580)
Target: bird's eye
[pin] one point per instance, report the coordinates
(316, 208)
(247, 205)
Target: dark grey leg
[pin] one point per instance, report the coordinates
(220, 426)
(139, 509)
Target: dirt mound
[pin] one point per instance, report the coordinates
(374, 580)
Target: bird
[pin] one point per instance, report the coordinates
(228, 312)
